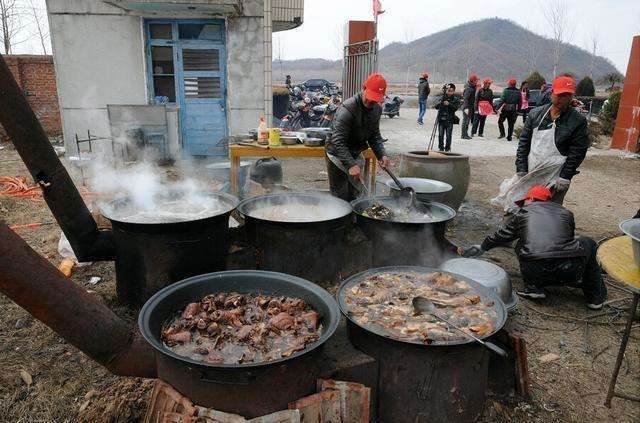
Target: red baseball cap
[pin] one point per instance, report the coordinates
(487, 81)
(538, 193)
(425, 75)
(512, 82)
(375, 87)
(473, 77)
(564, 85)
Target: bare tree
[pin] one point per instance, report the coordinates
(469, 56)
(11, 23)
(408, 54)
(532, 50)
(38, 16)
(556, 15)
(591, 45)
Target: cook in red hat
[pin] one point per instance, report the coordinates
(473, 77)
(356, 127)
(512, 82)
(547, 248)
(423, 94)
(375, 87)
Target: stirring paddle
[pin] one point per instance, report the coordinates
(424, 305)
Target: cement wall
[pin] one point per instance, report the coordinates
(99, 59)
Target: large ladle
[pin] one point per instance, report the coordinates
(426, 306)
(407, 195)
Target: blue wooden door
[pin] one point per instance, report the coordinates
(199, 77)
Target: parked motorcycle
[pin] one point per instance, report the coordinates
(391, 106)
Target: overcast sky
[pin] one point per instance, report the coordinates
(614, 21)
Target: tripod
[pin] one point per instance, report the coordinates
(432, 139)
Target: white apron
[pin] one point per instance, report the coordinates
(544, 164)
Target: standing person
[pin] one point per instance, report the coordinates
(356, 127)
(423, 94)
(553, 144)
(524, 95)
(483, 106)
(545, 94)
(468, 104)
(447, 107)
(547, 249)
(511, 102)
(287, 82)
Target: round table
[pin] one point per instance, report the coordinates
(616, 257)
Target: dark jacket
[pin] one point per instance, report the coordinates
(469, 96)
(446, 113)
(571, 137)
(511, 99)
(423, 89)
(545, 98)
(484, 94)
(542, 230)
(355, 128)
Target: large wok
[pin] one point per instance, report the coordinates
(250, 390)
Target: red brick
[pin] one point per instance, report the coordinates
(36, 76)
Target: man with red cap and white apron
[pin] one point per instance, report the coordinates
(553, 144)
(356, 127)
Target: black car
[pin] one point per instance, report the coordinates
(317, 84)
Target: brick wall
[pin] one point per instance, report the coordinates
(37, 78)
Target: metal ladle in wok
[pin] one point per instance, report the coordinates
(426, 306)
(407, 195)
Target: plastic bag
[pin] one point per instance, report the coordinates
(65, 250)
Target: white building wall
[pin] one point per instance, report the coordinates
(99, 55)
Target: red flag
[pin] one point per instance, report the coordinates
(377, 8)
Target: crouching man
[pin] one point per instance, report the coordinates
(547, 249)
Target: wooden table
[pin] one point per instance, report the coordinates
(616, 257)
(236, 152)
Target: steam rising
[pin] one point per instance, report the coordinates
(142, 193)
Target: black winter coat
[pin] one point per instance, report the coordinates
(511, 99)
(446, 113)
(543, 230)
(469, 96)
(355, 128)
(571, 137)
(484, 94)
(423, 89)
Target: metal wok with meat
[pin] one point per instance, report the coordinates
(381, 303)
(234, 328)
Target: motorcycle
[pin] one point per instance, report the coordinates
(391, 106)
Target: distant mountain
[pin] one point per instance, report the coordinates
(493, 47)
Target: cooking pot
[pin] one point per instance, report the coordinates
(425, 189)
(253, 389)
(631, 227)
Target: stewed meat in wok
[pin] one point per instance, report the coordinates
(234, 328)
(382, 302)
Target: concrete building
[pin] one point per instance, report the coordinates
(182, 73)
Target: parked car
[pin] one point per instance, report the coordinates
(318, 84)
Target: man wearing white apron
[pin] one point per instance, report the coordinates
(553, 144)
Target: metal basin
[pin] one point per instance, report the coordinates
(631, 227)
(486, 274)
(250, 390)
(425, 189)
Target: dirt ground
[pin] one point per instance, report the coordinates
(44, 379)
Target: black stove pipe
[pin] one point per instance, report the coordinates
(21, 124)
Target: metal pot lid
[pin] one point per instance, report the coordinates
(485, 294)
(422, 185)
(485, 273)
(631, 227)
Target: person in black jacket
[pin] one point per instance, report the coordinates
(548, 251)
(545, 94)
(423, 94)
(447, 107)
(511, 103)
(571, 135)
(468, 105)
(356, 127)
(484, 96)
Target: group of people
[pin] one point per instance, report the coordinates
(551, 147)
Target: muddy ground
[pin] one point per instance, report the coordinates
(44, 379)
